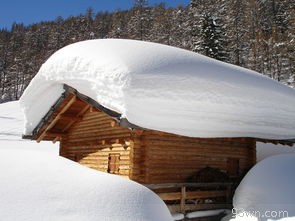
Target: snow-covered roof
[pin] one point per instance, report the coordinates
(165, 88)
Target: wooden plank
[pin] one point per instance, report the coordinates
(179, 185)
(191, 195)
(64, 109)
(70, 117)
(205, 194)
(170, 196)
(183, 198)
(54, 134)
(56, 139)
(194, 207)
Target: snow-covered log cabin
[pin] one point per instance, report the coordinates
(154, 113)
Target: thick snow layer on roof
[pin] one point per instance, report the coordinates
(267, 191)
(36, 185)
(165, 88)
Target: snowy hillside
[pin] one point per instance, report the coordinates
(11, 127)
(11, 121)
(36, 184)
(165, 88)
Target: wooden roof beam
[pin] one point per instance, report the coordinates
(56, 139)
(70, 117)
(79, 115)
(54, 134)
(51, 125)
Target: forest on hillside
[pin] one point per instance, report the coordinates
(256, 34)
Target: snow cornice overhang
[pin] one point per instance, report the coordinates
(68, 90)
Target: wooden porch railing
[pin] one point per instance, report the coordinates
(182, 192)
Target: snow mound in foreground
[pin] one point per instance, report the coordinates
(165, 88)
(267, 192)
(39, 186)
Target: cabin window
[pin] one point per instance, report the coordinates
(233, 167)
(114, 163)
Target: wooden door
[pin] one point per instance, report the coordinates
(114, 163)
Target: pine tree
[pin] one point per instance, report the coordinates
(160, 30)
(4, 59)
(212, 41)
(238, 30)
(102, 24)
(290, 43)
(180, 28)
(207, 29)
(274, 25)
(140, 22)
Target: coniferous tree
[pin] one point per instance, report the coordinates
(141, 19)
(207, 29)
(212, 41)
(180, 28)
(160, 30)
(102, 24)
(238, 30)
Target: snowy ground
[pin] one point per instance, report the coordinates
(37, 184)
(11, 128)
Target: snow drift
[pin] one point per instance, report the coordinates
(165, 88)
(267, 191)
(41, 186)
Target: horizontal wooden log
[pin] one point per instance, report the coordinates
(193, 207)
(170, 196)
(179, 185)
(70, 117)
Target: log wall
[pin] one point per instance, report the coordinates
(150, 156)
(92, 140)
(169, 158)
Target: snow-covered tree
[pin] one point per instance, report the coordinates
(180, 27)
(274, 23)
(212, 42)
(139, 23)
(208, 35)
(161, 25)
(238, 26)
